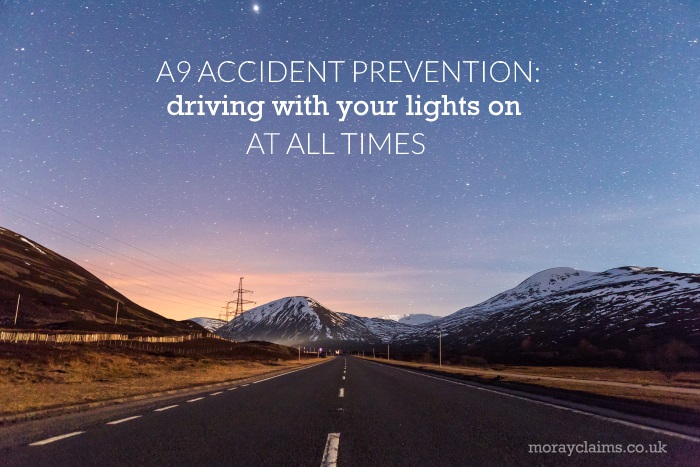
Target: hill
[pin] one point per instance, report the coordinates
(303, 321)
(210, 324)
(412, 319)
(58, 294)
(628, 315)
(623, 311)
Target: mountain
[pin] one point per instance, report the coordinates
(56, 293)
(411, 319)
(303, 321)
(563, 308)
(210, 324)
(626, 312)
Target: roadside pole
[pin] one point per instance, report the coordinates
(116, 315)
(300, 353)
(17, 309)
(440, 348)
(387, 351)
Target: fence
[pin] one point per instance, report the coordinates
(176, 339)
(25, 336)
(73, 338)
(153, 347)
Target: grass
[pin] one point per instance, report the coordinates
(656, 387)
(36, 377)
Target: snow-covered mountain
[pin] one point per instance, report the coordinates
(561, 306)
(304, 321)
(552, 310)
(411, 319)
(210, 324)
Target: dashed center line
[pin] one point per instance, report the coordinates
(117, 422)
(231, 389)
(343, 377)
(216, 393)
(342, 392)
(166, 408)
(330, 454)
(195, 400)
(56, 438)
(245, 385)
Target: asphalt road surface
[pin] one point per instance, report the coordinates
(347, 412)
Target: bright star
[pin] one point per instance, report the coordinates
(256, 7)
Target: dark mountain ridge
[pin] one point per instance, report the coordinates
(58, 294)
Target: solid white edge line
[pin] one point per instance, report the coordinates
(117, 422)
(166, 408)
(341, 393)
(330, 453)
(195, 400)
(673, 434)
(56, 438)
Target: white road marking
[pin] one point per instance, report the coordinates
(341, 393)
(329, 447)
(166, 408)
(273, 377)
(330, 454)
(56, 438)
(117, 422)
(216, 393)
(562, 407)
(343, 377)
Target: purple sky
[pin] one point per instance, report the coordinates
(600, 170)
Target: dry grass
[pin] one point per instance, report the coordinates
(41, 377)
(655, 386)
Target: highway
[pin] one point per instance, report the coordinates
(346, 412)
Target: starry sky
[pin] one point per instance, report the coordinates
(600, 170)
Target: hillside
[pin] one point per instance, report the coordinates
(304, 321)
(413, 319)
(58, 294)
(210, 324)
(623, 314)
(627, 309)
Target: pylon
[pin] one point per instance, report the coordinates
(228, 314)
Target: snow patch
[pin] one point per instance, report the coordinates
(410, 319)
(35, 247)
(210, 324)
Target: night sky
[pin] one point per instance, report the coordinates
(602, 169)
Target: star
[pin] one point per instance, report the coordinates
(256, 8)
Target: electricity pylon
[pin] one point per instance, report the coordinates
(228, 314)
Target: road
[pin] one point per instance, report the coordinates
(350, 412)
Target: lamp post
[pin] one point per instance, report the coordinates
(440, 347)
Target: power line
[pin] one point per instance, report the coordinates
(86, 243)
(112, 237)
(102, 283)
